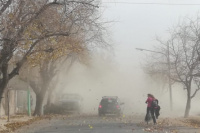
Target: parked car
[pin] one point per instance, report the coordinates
(70, 103)
(110, 105)
(66, 103)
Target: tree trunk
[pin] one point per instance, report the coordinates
(188, 105)
(2, 88)
(4, 80)
(40, 95)
(49, 98)
(39, 104)
(187, 110)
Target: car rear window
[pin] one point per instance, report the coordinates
(108, 101)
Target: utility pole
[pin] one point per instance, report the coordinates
(169, 77)
(8, 105)
(168, 73)
(28, 97)
(8, 97)
(29, 102)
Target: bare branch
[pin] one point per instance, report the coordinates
(5, 6)
(195, 93)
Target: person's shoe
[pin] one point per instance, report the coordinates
(155, 123)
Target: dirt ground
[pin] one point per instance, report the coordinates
(167, 122)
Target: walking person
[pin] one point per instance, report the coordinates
(150, 109)
(148, 102)
(154, 105)
(157, 108)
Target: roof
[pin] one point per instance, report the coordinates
(114, 97)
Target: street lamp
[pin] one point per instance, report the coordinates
(168, 64)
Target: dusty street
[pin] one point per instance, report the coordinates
(107, 124)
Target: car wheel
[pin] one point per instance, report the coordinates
(118, 114)
(101, 114)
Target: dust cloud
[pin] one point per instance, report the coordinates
(104, 77)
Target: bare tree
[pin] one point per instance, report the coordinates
(184, 56)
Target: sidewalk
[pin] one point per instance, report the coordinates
(6, 126)
(16, 122)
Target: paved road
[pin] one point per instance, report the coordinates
(95, 124)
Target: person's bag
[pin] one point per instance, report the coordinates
(154, 103)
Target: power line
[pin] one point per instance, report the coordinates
(137, 3)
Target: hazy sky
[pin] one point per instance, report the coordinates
(138, 24)
(135, 26)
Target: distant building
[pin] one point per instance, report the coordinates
(17, 92)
